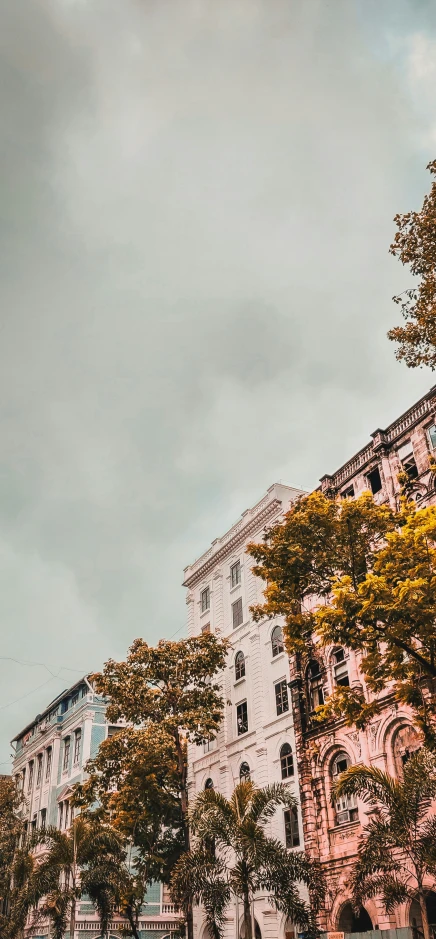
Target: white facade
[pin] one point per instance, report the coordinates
(221, 589)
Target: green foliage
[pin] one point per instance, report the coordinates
(234, 855)
(397, 854)
(415, 245)
(166, 696)
(17, 894)
(356, 574)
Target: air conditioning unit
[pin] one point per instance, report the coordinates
(343, 817)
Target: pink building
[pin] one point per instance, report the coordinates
(331, 832)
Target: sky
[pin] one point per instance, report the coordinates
(197, 205)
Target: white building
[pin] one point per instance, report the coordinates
(257, 735)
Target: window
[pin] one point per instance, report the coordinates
(209, 745)
(74, 699)
(111, 731)
(235, 574)
(432, 436)
(292, 834)
(66, 760)
(242, 718)
(348, 493)
(407, 460)
(206, 628)
(39, 770)
(237, 613)
(374, 480)
(209, 784)
(34, 823)
(239, 666)
(340, 668)
(64, 706)
(77, 741)
(346, 808)
(48, 764)
(282, 701)
(30, 781)
(43, 818)
(244, 773)
(277, 641)
(23, 780)
(205, 600)
(315, 685)
(61, 815)
(286, 761)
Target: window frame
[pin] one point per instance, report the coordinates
(315, 685)
(292, 828)
(240, 722)
(39, 760)
(368, 476)
(238, 610)
(48, 763)
(286, 755)
(429, 436)
(77, 746)
(345, 808)
(281, 696)
(205, 599)
(235, 581)
(66, 754)
(337, 665)
(277, 645)
(240, 670)
(30, 776)
(246, 775)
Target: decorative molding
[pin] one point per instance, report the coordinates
(355, 740)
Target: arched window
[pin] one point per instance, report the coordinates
(346, 806)
(277, 641)
(286, 761)
(244, 772)
(314, 685)
(340, 668)
(239, 666)
(209, 784)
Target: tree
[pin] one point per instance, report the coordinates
(415, 244)
(17, 893)
(64, 873)
(167, 696)
(397, 853)
(357, 574)
(234, 855)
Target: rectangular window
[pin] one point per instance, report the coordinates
(432, 436)
(34, 823)
(74, 699)
(407, 459)
(237, 613)
(235, 574)
(348, 493)
(23, 780)
(111, 731)
(39, 771)
(66, 759)
(242, 718)
(292, 834)
(61, 815)
(30, 782)
(43, 818)
(374, 480)
(48, 764)
(282, 701)
(77, 740)
(205, 600)
(340, 669)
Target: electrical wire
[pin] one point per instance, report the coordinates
(27, 695)
(66, 668)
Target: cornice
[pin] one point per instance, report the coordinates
(208, 561)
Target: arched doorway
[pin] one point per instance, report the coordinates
(415, 912)
(350, 922)
(257, 932)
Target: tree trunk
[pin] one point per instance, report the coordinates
(72, 916)
(132, 923)
(424, 917)
(182, 767)
(248, 931)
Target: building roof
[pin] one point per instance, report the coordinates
(60, 697)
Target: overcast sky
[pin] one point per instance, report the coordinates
(197, 204)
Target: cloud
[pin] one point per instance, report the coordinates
(195, 290)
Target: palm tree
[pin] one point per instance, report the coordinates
(397, 853)
(65, 871)
(234, 855)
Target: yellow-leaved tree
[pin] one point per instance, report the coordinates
(372, 572)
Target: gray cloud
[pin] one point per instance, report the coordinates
(195, 289)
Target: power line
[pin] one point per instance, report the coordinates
(66, 668)
(27, 695)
